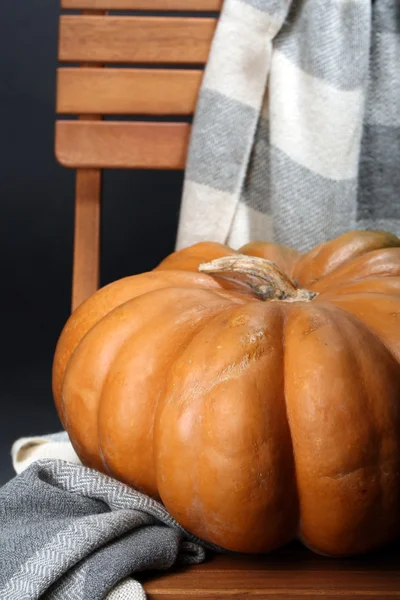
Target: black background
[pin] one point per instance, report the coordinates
(140, 215)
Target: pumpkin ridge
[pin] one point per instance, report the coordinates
(289, 309)
(388, 285)
(353, 471)
(359, 450)
(196, 332)
(106, 299)
(376, 263)
(115, 326)
(357, 244)
(111, 401)
(217, 290)
(208, 401)
(163, 399)
(387, 338)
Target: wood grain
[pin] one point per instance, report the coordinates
(86, 254)
(163, 40)
(86, 235)
(189, 5)
(127, 91)
(121, 145)
(291, 575)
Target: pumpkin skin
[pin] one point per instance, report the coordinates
(255, 422)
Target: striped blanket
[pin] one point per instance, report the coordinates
(296, 136)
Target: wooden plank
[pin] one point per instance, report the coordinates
(122, 145)
(287, 577)
(296, 557)
(265, 594)
(272, 594)
(154, 40)
(189, 5)
(86, 260)
(127, 91)
(275, 581)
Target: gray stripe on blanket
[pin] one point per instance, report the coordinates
(379, 175)
(386, 15)
(392, 225)
(331, 29)
(219, 141)
(23, 543)
(383, 106)
(257, 186)
(277, 8)
(310, 209)
(157, 544)
(307, 208)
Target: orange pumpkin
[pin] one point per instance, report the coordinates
(257, 393)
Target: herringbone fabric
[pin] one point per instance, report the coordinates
(68, 532)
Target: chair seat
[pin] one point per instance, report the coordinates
(291, 574)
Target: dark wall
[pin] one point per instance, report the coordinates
(140, 213)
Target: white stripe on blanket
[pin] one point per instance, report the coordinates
(298, 108)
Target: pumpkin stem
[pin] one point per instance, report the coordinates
(262, 276)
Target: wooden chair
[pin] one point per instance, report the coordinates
(99, 43)
(113, 53)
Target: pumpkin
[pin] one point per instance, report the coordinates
(255, 393)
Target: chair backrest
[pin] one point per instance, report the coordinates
(146, 65)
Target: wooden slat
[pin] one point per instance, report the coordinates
(121, 145)
(86, 257)
(135, 39)
(189, 5)
(127, 91)
(87, 235)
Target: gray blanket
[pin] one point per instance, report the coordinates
(296, 136)
(67, 532)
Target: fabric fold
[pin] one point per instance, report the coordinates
(226, 117)
(67, 531)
